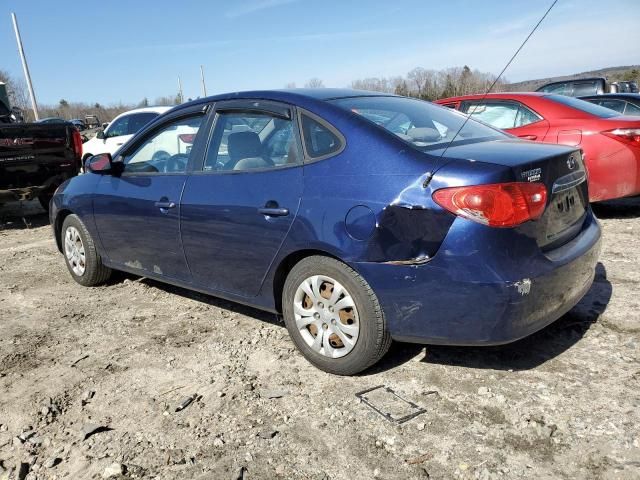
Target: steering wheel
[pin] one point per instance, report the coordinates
(176, 163)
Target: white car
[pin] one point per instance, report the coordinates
(121, 129)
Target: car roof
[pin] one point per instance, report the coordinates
(159, 110)
(500, 95)
(631, 96)
(291, 95)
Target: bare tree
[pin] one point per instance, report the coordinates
(432, 84)
(16, 90)
(314, 83)
(290, 85)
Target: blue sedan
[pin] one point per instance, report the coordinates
(360, 217)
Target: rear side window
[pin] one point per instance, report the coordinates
(501, 115)
(583, 106)
(319, 139)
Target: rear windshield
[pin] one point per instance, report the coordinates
(422, 124)
(583, 106)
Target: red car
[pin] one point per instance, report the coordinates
(610, 142)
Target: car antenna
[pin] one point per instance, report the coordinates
(433, 170)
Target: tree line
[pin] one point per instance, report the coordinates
(19, 97)
(423, 83)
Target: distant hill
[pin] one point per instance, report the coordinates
(612, 74)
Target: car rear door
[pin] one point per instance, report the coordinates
(238, 206)
(509, 115)
(137, 213)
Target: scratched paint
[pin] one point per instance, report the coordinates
(523, 286)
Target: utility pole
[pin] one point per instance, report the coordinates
(204, 86)
(180, 89)
(25, 67)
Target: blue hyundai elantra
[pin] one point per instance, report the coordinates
(360, 217)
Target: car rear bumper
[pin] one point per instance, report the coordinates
(454, 300)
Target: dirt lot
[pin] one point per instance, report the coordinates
(113, 363)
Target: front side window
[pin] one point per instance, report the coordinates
(139, 120)
(421, 124)
(118, 128)
(167, 150)
(617, 105)
(249, 141)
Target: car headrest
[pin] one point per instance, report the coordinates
(243, 145)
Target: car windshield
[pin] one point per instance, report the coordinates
(583, 106)
(422, 124)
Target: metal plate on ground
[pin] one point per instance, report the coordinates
(389, 404)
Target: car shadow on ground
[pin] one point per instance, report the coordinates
(22, 215)
(261, 315)
(620, 208)
(524, 354)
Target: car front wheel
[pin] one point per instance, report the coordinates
(80, 254)
(333, 316)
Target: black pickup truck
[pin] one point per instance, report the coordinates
(35, 158)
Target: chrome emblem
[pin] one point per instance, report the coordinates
(571, 162)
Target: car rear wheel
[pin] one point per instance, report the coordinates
(80, 254)
(333, 316)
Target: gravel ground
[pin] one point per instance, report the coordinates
(90, 381)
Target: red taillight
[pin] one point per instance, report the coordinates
(630, 135)
(496, 204)
(187, 137)
(77, 143)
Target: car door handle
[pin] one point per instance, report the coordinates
(165, 205)
(118, 144)
(529, 137)
(274, 212)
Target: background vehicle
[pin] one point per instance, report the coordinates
(627, 87)
(52, 120)
(91, 121)
(5, 113)
(79, 124)
(297, 202)
(36, 158)
(588, 86)
(609, 141)
(623, 103)
(121, 129)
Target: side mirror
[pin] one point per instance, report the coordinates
(101, 163)
(100, 134)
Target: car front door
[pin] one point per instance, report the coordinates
(511, 116)
(137, 212)
(237, 209)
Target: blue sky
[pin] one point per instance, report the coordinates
(113, 50)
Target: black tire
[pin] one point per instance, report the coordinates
(373, 338)
(95, 273)
(44, 200)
